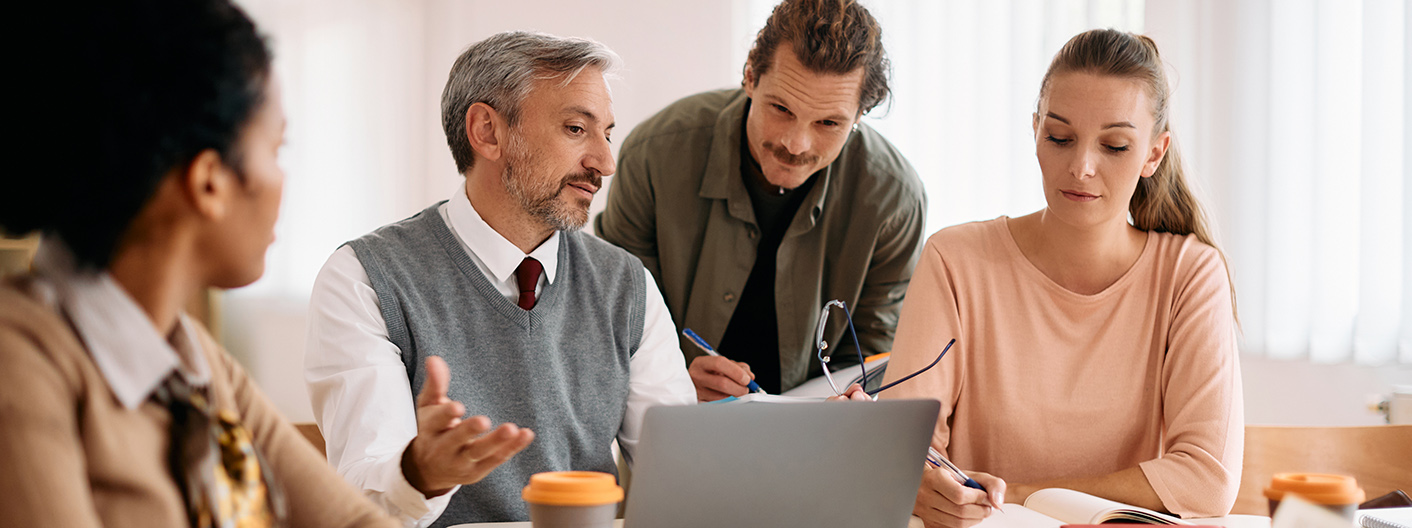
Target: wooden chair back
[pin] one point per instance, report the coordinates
(1380, 457)
(312, 434)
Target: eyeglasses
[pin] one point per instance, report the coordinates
(823, 347)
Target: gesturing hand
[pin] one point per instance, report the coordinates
(449, 451)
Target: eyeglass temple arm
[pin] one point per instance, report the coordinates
(856, 347)
(824, 320)
(914, 374)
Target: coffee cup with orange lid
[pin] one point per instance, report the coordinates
(1337, 493)
(573, 499)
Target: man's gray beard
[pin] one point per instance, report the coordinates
(547, 209)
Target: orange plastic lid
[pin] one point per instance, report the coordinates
(573, 488)
(1318, 488)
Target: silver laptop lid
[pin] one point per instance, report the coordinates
(780, 465)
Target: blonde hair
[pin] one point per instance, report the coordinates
(1162, 202)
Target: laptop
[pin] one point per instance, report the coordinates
(784, 465)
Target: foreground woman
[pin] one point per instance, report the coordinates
(118, 410)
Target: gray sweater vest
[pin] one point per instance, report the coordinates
(560, 369)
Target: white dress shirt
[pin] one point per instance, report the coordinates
(358, 384)
(127, 349)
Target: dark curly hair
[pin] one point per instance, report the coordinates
(119, 95)
(827, 36)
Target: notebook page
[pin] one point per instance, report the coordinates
(1075, 507)
(1016, 516)
(1069, 506)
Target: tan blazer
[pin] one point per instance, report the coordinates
(71, 455)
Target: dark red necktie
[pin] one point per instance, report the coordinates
(527, 275)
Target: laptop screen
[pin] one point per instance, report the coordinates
(780, 465)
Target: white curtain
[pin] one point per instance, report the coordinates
(1295, 114)
(359, 122)
(1292, 115)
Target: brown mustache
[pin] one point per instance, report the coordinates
(589, 177)
(785, 157)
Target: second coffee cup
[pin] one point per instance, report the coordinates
(1338, 493)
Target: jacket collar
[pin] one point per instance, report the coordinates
(133, 357)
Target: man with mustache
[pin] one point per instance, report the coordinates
(753, 207)
(493, 304)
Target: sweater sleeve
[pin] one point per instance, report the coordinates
(1198, 472)
(43, 482)
(929, 320)
(316, 496)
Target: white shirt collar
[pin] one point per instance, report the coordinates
(499, 255)
(132, 356)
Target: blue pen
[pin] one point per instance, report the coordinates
(701, 343)
(935, 459)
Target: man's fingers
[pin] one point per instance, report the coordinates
(708, 395)
(718, 374)
(437, 383)
(507, 449)
(500, 444)
(737, 371)
(746, 367)
(719, 384)
(433, 419)
(468, 430)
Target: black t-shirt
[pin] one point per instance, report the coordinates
(752, 335)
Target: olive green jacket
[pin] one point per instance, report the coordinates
(679, 203)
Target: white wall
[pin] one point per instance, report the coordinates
(363, 80)
(1283, 392)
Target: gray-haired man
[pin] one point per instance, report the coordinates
(540, 327)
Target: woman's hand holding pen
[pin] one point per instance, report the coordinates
(944, 502)
(449, 451)
(717, 377)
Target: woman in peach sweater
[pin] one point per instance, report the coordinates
(1092, 353)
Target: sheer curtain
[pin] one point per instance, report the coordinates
(359, 117)
(1296, 115)
(1292, 116)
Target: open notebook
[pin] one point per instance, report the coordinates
(1076, 507)
(1052, 508)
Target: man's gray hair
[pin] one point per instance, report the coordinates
(501, 70)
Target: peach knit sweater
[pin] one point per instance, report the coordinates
(1045, 383)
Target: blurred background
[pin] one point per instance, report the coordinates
(1292, 115)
